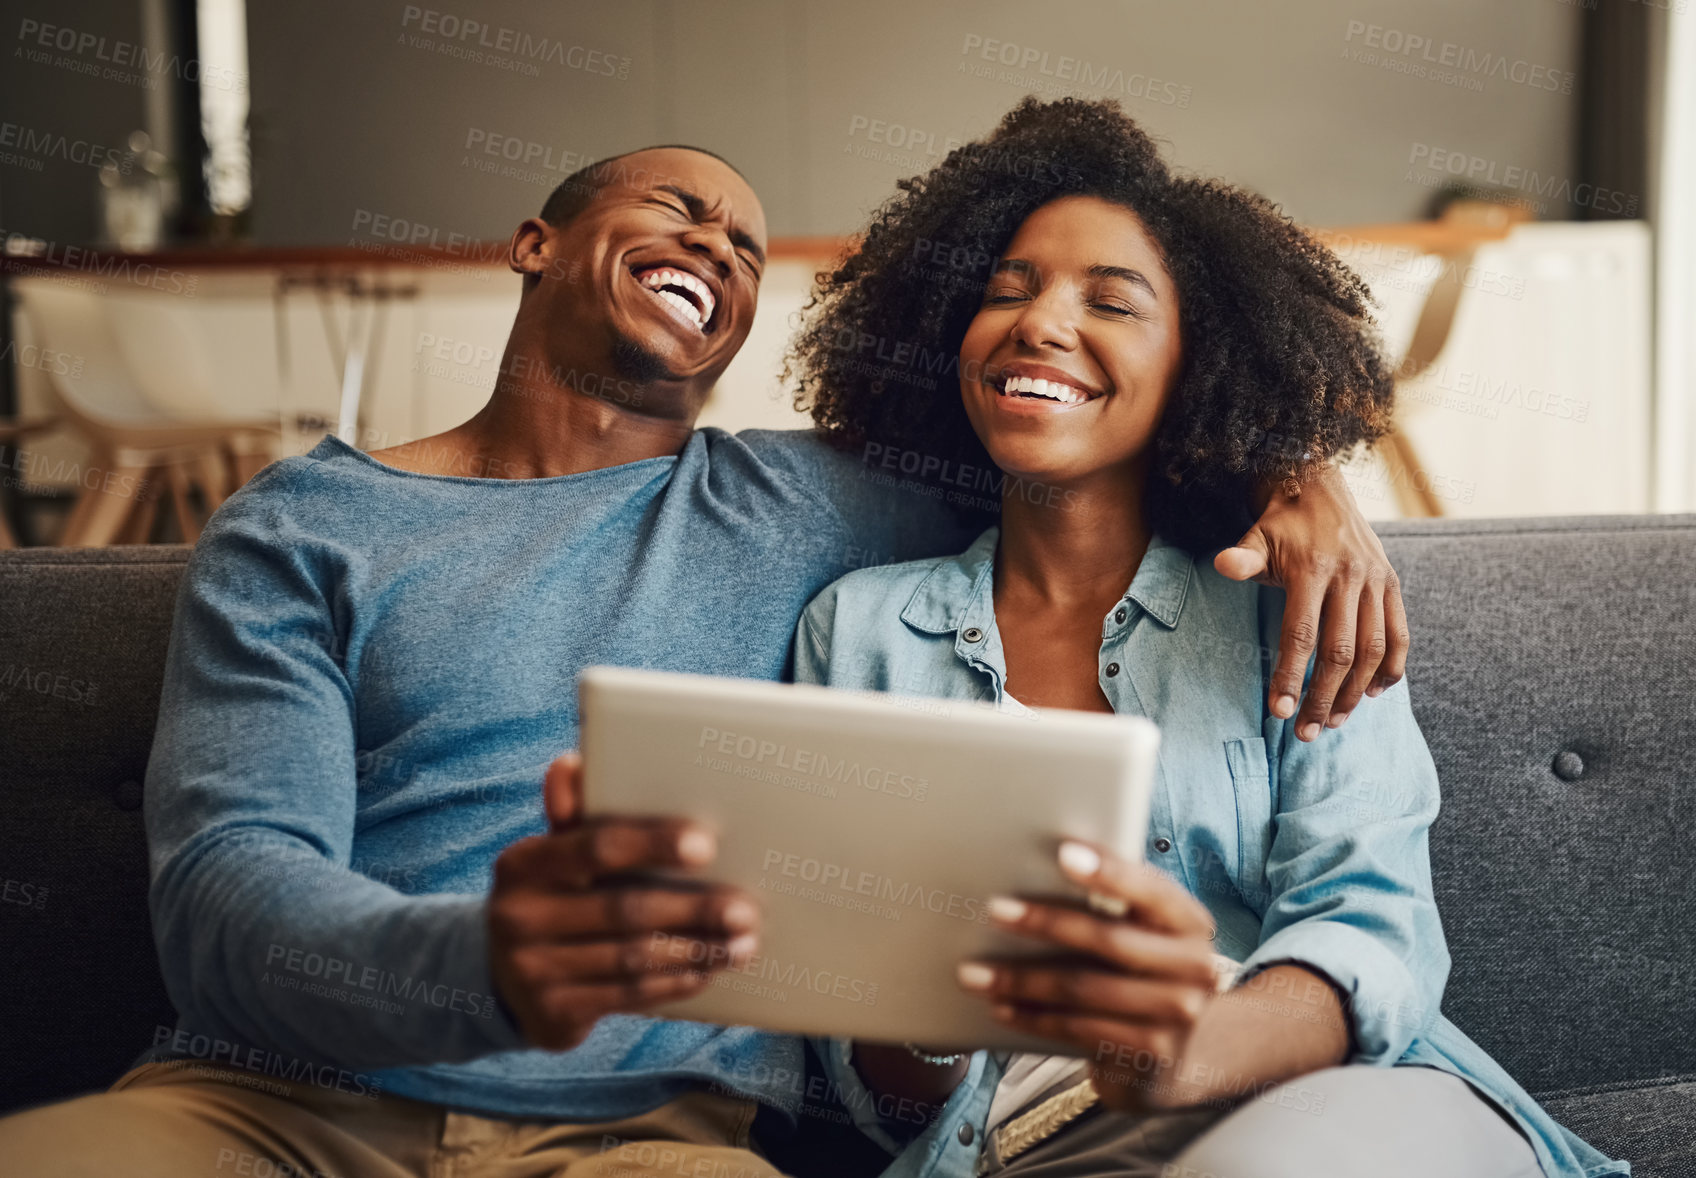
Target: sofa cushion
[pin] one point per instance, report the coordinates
(1554, 676)
(1654, 1125)
(82, 652)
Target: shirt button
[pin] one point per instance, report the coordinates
(1120, 614)
(1112, 669)
(965, 1135)
(972, 634)
(1162, 845)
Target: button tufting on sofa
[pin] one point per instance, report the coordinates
(1568, 766)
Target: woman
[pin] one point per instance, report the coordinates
(1135, 352)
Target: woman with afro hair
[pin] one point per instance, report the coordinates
(1116, 357)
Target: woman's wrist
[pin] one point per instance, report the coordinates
(1259, 1034)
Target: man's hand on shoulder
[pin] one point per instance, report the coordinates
(576, 932)
(1341, 597)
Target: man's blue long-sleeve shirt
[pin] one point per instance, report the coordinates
(370, 670)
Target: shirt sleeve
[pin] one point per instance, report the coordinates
(266, 936)
(1349, 872)
(894, 505)
(812, 639)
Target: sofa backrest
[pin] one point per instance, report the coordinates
(1554, 674)
(82, 651)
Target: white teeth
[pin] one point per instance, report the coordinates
(1052, 390)
(682, 304)
(703, 314)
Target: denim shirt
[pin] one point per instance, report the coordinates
(1315, 854)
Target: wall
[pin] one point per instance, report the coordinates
(55, 114)
(366, 110)
(371, 120)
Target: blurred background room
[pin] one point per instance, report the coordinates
(231, 228)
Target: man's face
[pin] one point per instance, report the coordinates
(662, 270)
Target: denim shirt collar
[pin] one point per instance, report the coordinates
(959, 594)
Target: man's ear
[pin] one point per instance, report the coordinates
(527, 252)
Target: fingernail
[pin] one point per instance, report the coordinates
(742, 946)
(1079, 859)
(1284, 707)
(1308, 731)
(1336, 720)
(975, 976)
(1376, 690)
(740, 914)
(696, 846)
(1005, 908)
(1003, 1011)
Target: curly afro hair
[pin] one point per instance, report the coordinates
(1281, 362)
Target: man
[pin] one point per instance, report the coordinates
(393, 961)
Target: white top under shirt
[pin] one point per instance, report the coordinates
(1026, 1075)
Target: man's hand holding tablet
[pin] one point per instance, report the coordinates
(574, 936)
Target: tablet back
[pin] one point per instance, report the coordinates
(873, 829)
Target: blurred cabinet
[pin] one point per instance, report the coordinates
(1540, 403)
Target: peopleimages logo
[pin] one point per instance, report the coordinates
(197, 1046)
(117, 60)
(843, 879)
(810, 763)
(1484, 395)
(498, 46)
(1421, 56)
(1064, 74)
(337, 971)
(44, 682)
(41, 144)
(528, 152)
(1478, 169)
(760, 968)
(32, 895)
(71, 261)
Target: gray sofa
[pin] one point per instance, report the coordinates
(1554, 675)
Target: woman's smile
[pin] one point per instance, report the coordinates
(1038, 388)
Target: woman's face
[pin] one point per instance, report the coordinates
(1082, 301)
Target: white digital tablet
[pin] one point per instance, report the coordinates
(873, 829)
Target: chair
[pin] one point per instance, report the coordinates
(1429, 337)
(11, 433)
(140, 452)
(1449, 244)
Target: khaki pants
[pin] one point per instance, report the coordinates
(186, 1119)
